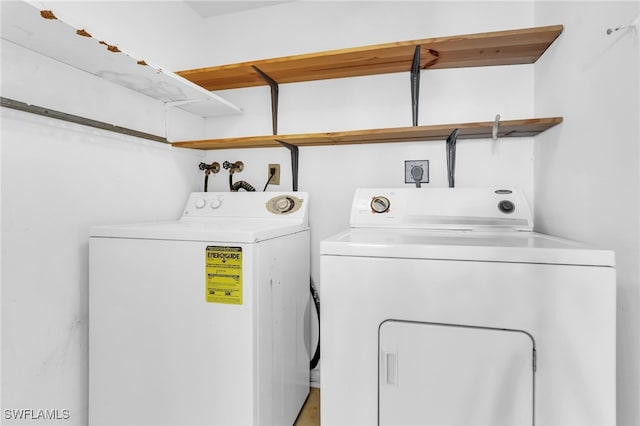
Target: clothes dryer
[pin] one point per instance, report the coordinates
(201, 321)
(442, 307)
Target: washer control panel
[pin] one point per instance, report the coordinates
(211, 202)
(256, 205)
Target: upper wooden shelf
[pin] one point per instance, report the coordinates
(482, 130)
(522, 46)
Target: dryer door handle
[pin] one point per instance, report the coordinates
(390, 360)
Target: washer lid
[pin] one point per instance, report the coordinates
(202, 229)
(489, 246)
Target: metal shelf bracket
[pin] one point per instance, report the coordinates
(274, 98)
(415, 85)
(294, 161)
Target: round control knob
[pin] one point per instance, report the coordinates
(284, 204)
(215, 203)
(380, 204)
(200, 203)
(506, 206)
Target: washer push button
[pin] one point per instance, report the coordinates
(506, 206)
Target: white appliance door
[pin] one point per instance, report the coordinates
(441, 374)
(159, 353)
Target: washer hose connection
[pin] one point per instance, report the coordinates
(238, 166)
(241, 185)
(208, 169)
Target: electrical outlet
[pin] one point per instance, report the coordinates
(275, 170)
(417, 168)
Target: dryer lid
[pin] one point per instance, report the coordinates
(464, 245)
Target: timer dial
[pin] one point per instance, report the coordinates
(380, 204)
(283, 204)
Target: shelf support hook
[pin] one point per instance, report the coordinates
(415, 84)
(274, 98)
(495, 128)
(294, 161)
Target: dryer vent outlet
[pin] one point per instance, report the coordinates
(416, 170)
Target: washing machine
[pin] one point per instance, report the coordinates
(202, 320)
(443, 307)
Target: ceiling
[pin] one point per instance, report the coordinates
(209, 8)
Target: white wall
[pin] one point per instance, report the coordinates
(587, 172)
(58, 179)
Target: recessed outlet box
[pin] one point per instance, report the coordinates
(416, 169)
(275, 170)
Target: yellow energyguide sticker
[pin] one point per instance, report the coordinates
(224, 275)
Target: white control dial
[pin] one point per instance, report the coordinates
(215, 203)
(200, 203)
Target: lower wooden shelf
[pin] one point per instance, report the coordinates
(481, 130)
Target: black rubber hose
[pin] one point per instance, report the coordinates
(206, 181)
(316, 299)
(268, 181)
(242, 185)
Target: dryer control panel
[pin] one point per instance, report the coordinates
(441, 208)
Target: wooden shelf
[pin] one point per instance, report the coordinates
(522, 46)
(483, 130)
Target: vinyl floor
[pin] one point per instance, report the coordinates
(310, 413)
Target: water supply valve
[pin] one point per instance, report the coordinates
(238, 166)
(210, 168)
